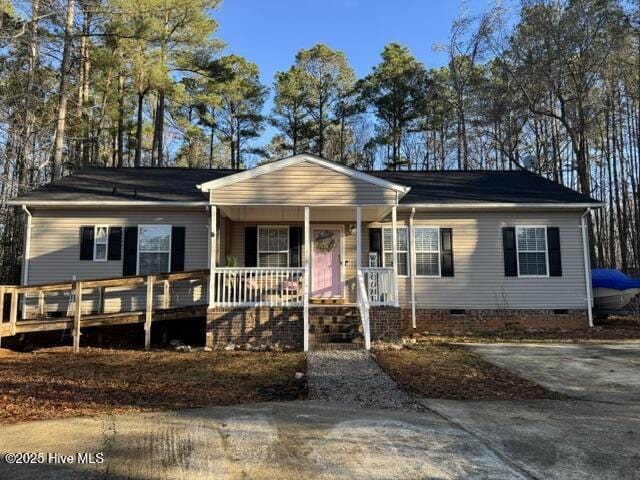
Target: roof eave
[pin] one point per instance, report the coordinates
(109, 203)
(502, 205)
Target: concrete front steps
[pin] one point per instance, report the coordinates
(335, 327)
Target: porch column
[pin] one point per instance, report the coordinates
(394, 237)
(213, 251)
(359, 237)
(358, 246)
(307, 275)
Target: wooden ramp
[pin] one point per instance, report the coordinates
(86, 303)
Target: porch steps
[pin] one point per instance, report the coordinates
(335, 327)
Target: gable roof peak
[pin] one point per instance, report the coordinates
(294, 160)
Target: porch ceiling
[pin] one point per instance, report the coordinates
(272, 213)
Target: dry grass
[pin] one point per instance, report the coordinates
(56, 383)
(613, 328)
(452, 372)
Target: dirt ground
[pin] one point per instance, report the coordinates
(452, 372)
(54, 382)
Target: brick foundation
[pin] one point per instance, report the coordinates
(255, 326)
(472, 321)
(385, 323)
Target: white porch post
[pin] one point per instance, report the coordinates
(307, 275)
(359, 237)
(394, 236)
(412, 267)
(213, 251)
(358, 243)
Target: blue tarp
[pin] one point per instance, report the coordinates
(612, 278)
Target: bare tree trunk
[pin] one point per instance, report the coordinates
(138, 156)
(120, 134)
(63, 94)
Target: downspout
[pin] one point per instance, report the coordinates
(587, 265)
(412, 267)
(27, 247)
(25, 257)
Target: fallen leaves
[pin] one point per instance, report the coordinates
(452, 372)
(53, 383)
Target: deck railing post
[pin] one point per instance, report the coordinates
(41, 305)
(166, 296)
(101, 292)
(77, 318)
(2, 292)
(1, 311)
(13, 318)
(148, 313)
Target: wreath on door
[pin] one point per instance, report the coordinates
(325, 241)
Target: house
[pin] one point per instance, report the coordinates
(288, 241)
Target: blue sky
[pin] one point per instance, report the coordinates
(270, 32)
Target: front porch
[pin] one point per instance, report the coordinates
(275, 269)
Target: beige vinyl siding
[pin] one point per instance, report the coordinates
(302, 184)
(55, 252)
(479, 281)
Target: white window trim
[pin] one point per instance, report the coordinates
(546, 251)
(400, 227)
(159, 251)
(439, 251)
(95, 243)
(258, 251)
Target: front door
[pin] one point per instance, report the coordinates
(326, 262)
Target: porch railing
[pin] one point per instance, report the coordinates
(380, 286)
(269, 287)
(363, 307)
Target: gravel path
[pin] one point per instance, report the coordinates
(354, 377)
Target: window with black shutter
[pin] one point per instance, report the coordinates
(250, 247)
(510, 252)
(178, 238)
(375, 244)
(446, 252)
(86, 242)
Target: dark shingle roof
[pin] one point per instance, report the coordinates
(179, 185)
(139, 184)
(505, 186)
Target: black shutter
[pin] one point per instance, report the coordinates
(375, 243)
(510, 252)
(250, 246)
(553, 246)
(296, 240)
(130, 251)
(446, 252)
(86, 242)
(115, 243)
(177, 249)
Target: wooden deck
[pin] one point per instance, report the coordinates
(153, 311)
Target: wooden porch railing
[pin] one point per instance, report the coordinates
(86, 303)
(271, 287)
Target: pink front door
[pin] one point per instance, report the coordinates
(326, 266)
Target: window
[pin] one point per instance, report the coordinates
(273, 246)
(531, 245)
(154, 249)
(403, 247)
(427, 251)
(100, 243)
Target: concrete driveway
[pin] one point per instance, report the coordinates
(599, 372)
(593, 437)
(268, 441)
